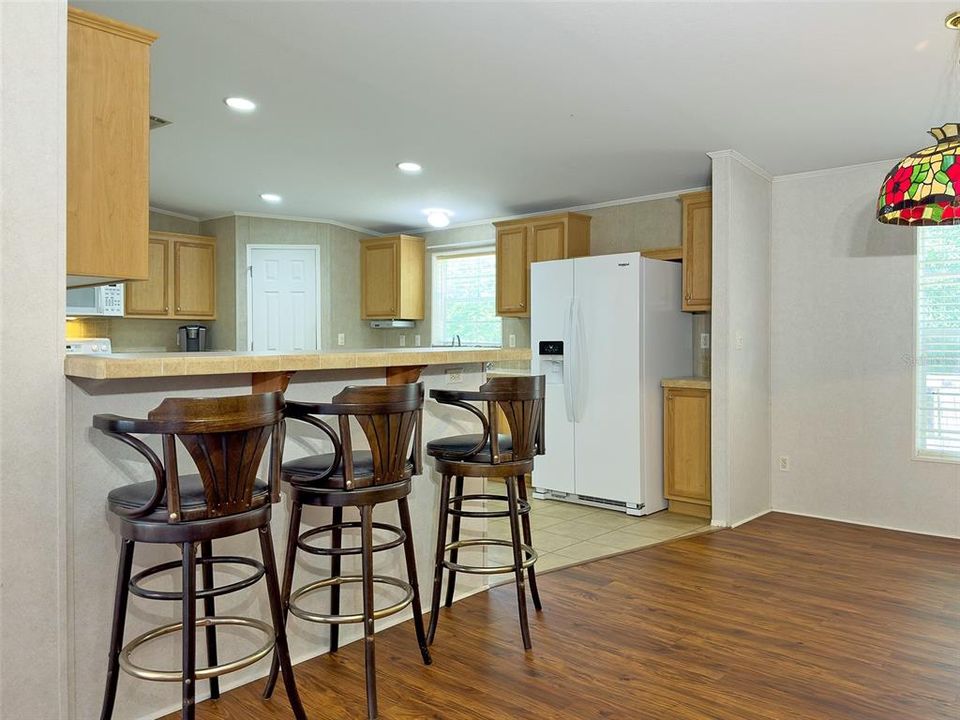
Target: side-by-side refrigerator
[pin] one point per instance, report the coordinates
(605, 330)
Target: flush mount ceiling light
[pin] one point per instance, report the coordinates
(240, 104)
(438, 217)
(409, 168)
(922, 188)
(270, 198)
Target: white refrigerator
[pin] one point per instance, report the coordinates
(604, 331)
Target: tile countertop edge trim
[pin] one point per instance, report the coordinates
(686, 382)
(91, 367)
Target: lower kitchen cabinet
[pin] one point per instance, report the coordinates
(686, 446)
(182, 279)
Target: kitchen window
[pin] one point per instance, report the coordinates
(465, 298)
(937, 359)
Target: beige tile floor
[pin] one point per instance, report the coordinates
(566, 533)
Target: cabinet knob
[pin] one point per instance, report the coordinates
(166, 308)
(178, 308)
(686, 296)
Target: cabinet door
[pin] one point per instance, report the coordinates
(380, 270)
(151, 297)
(686, 445)
(513, 271)
(697, 252)
(108, 147)
(194, 279)
(548, 241)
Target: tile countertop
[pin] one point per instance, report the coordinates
(698, 383)
(172, 364)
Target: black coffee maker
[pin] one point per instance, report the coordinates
(192, 338)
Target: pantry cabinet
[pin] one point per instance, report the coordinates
(181, 282)
(108, 149)
(686, 449)
(697, 252)
(391, 278)
(520, 242)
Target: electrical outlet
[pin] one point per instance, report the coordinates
(783, 462)
(416, 340)
(739, 341)
(512, 340)
(403, 341)
(455, 377)
(704, 341)
(340, 339)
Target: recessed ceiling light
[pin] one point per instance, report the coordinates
(270, 197)
(240, 104)
(410, 168)
(438, 217)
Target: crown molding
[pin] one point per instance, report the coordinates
(885, 165)
(575, 208)
(745, 161)
(171, 213)
(298, 218)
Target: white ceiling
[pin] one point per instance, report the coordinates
(520, 107)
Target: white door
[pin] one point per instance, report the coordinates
(607, 403)
(551, 295)
(282, 287)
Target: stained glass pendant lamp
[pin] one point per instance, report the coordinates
(922, 188)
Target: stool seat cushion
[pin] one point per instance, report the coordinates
(305, 471)
(136, 495)
(452, 448)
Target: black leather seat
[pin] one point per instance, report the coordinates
(305, 471)
(453, 448)
(137, 495)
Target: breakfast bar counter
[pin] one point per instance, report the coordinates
(132, 385)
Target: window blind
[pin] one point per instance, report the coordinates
(464, 298)
(938, 342)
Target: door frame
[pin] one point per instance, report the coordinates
(249, 276)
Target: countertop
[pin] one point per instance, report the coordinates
(697, 383)
(173, 364)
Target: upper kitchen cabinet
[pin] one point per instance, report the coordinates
(108, 149)
(697, 250)
(521, 242)
(181, 282)
(391, 278)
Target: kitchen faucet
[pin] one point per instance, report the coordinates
(457, 340)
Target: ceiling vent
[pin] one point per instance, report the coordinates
(158, 122)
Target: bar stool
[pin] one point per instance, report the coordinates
(226, 438)
(389, 416)
(490, 455)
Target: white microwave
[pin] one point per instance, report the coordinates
(100, 300)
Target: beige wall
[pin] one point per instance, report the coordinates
(35, 667)
(339, 276)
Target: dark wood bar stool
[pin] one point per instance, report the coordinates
(390, 418)
(226, 438)
(490, 455)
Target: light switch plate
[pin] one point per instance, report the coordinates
(512, 340)
(739, 341)
(783, 462)
(416, 340)
(340, 339)
(455, 377)
(403, 341)
(704, 341)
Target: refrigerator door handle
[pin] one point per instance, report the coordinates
(579, 362)
(569, 374)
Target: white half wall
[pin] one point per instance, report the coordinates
(33, 616)
(740, 386)
(842, 377)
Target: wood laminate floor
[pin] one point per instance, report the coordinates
(785, 617)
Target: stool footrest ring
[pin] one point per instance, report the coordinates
(397, 541)
(139, 591)
(354, 618)
(523, 507)
(202, 673)
(530, 557)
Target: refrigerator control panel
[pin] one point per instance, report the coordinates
(551, 347)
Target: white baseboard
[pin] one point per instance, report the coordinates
(752, 517)
(865, 524)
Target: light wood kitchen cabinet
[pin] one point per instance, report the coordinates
(697, 250)
(108, 149)
(391, 278)
(528, 240)
(182, 279)
(686, 449)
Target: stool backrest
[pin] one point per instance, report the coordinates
(520, 399)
